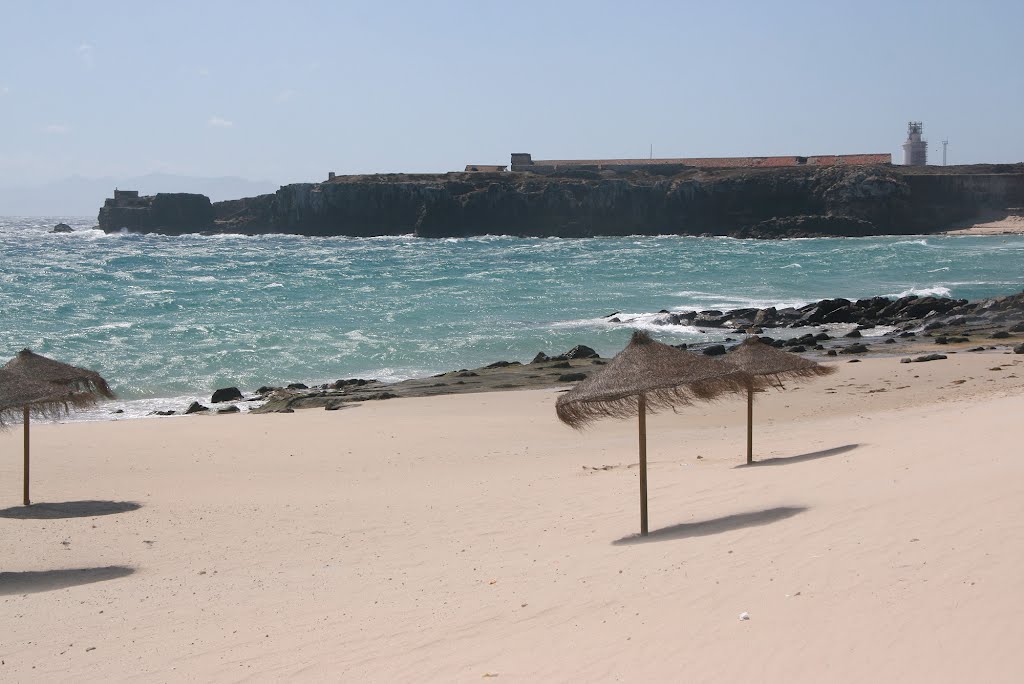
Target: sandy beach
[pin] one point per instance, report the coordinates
(474, 537)
(1010, 224)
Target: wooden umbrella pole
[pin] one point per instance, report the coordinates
(750, 425)
(27, 502)
(643, 464)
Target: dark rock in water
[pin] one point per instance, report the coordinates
(710, 319)
(614, 319)
(118, 411)
(62, 228)
(798, 348)
(765, 316)
(890, 340)
(908, 334)
(265, 390)
(856, 348)
(1000, 335)
(195, 407)
(853, 333)
(572, 377)
(714, 350)
(1019, 349)
(225, 394)
(502, 364)
(162, 413)
(297, 385)
(541, 357)
(581, 351)
(830, 352)
(228, 409)
(930, 357)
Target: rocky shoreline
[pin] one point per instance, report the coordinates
(918, 327)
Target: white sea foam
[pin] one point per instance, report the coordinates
(935, 291)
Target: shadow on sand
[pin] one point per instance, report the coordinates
(799, 458)
(34, 581)
(703, 528)
(68, 509)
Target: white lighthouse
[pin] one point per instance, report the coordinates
(915, 150)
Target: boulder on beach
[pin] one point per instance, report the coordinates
(195, 407)
(581, 351)
(225, 394)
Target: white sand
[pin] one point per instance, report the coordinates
(453, 538)
(1008, 225)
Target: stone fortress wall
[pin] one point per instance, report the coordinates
(524, 162)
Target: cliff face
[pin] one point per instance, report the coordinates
(161, 213)
(741, 202)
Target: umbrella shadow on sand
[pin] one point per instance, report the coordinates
(68, 509)
(799, 458)
(35, 581)
(703, 528)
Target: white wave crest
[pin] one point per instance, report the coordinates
(936, 291)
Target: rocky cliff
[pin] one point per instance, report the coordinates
(764, 203)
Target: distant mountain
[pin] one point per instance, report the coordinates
(78, 196)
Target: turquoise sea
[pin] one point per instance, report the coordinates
(167, 319)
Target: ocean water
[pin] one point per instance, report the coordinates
(168, 319)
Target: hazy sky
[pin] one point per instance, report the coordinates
(285, 93)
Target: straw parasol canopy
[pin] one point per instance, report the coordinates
(667, 378)
(648, 376)
(774, 365)
(42, 386)
(39, 367)
(18, 392)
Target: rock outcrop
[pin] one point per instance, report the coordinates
(761, 203)
(171, 213)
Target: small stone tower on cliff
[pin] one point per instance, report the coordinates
(915, 150)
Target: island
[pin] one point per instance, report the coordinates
(797, 197)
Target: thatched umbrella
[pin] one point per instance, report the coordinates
(774, 365)
(648, 376)
(46, 387)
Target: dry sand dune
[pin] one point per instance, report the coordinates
(467, 537)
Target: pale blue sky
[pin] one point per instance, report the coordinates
(285, 93)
